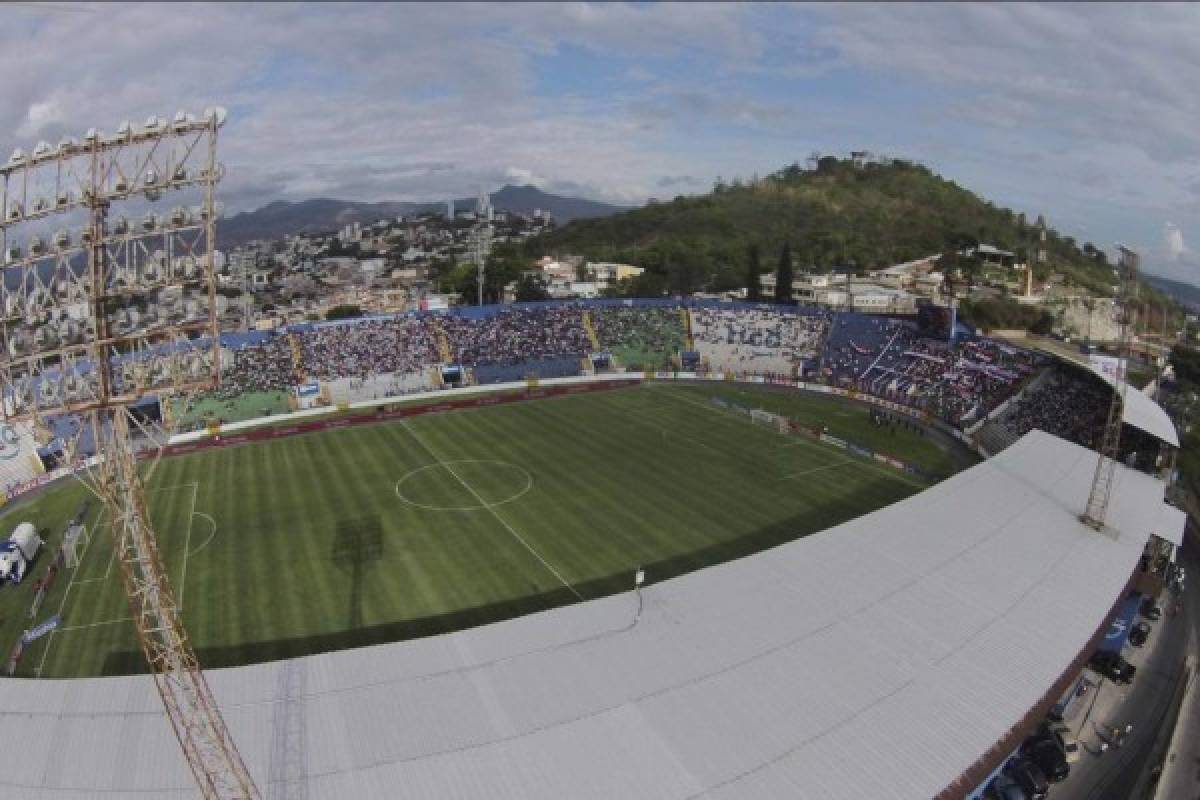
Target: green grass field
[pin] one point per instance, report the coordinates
(396, 530)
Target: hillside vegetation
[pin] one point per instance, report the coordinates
(833, 216)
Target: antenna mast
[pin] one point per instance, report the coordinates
(1110, 444)
(96, 321)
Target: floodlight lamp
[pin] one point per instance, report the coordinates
(42, 150)
(17, 157)
(36, 246)
(62, 200)
(67, 146)
(14, 212)
(62, 239)
(180, 119)
(120, 225)
(40, 204)
(92, 136)
(125, 130)
(215, 116)
(150, 221)
(181, 173)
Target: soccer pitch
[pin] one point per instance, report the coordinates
(434, 523)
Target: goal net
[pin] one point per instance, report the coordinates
(769, 420)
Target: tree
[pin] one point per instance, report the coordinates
(531, 288)
(783, 275)
(753, 271)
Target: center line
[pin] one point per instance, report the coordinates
(488, 506)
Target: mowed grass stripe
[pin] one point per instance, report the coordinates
(440, 549)
(621, 527)
(653, 477)
(553, 508)
(446, 439)
(570, 520)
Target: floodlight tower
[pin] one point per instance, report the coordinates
(93, 321)
(1110, 443)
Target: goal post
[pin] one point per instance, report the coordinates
(769, 420)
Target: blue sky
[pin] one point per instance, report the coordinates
(1085, 113)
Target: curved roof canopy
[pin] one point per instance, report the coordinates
(1143, 413)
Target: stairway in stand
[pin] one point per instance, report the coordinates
(443, 343)
(297, 359)
(591, 331)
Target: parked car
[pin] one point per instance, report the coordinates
(1027, 775)
(1066, 740)
(1150, 610)
(1139, 634)
(1044, 750)
(1003, 787)
(1112, 666)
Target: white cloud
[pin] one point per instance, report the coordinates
(1087, 114)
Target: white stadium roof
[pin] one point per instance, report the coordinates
(1143, 413)
(880, 658)
(1171, 525)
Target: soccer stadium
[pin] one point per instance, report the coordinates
(633, 548)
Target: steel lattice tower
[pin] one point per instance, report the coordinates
(92, 325)
(1110, 444)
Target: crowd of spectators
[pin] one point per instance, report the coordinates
(398, 345)
(265, 367)
(759, 340)
(1068, 406)
(957, 381)
(515, 335)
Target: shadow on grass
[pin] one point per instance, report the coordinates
(128, 662)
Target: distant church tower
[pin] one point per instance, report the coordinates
(1041, 246)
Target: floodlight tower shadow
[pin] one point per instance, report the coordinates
(357, 546)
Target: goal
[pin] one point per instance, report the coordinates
(769, 420)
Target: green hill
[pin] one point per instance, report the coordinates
(836, 215)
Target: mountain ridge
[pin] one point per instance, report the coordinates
(315, 215)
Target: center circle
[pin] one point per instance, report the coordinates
(456, 476)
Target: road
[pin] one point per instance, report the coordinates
(1148, 704)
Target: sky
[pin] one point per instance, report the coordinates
(1087, 114)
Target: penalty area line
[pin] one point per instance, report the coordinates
(841, 463)
(187, 543)
(70, 585)
(211, 534)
